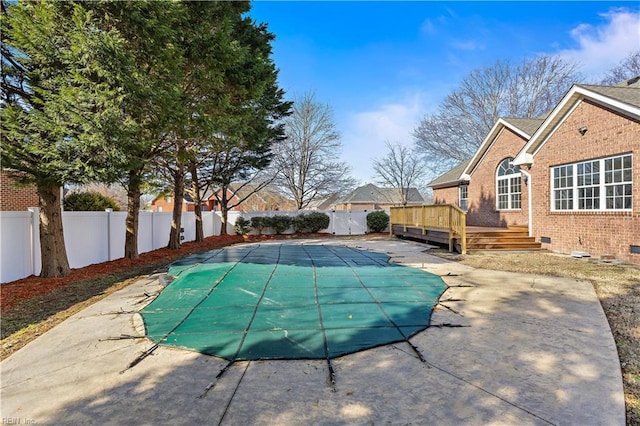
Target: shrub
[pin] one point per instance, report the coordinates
(299, 224)
(89, 202)
(279, 223)
(259, 223)
(242, 226)
(317, 221)
(377, 221)
(310, 223)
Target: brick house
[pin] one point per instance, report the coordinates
(572, 177)
(16, 197)
(263, 200)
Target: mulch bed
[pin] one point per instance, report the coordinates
(18, 291)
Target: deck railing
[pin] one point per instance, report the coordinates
(440, 217)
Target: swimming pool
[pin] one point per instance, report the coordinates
(290, 301)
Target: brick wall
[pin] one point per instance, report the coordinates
(16, 198)
(446, 195)
(598, 233)
(482, 187)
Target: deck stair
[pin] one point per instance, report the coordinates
(511, 238)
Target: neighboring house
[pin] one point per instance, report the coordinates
(371, 197)
(14, 196)
(263, 200)
(327, 203)
(572, 177)
(164, 203)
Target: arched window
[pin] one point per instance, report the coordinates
(508, 181)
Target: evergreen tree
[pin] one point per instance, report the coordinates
(57, 103)
(146, 69)
(237, 135)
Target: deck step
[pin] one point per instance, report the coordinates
(497, 234)
(532, 245)
(505, 250)
(513, 238)
(474, 239)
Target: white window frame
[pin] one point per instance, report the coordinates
(463, 197)
(594, 185)
(507, 177)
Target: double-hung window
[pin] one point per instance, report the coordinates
(618, 182)
(588, 184)
(463, 197)
(602, 184)
(563, 188)
(508, 185)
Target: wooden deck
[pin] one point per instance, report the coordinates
(477, 238)
(441, 223)
(446, 224)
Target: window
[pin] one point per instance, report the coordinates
(588, 175)
(562, 188)
(508, 183)
(463, 197)
(603, 184)
(618, 182)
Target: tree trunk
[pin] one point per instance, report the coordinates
(178, 196)
(224, 211)
(133, 214)
(197, 201)
(223, 218)
(54, 254)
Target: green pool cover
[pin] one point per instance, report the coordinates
(290, 301)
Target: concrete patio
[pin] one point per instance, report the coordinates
(503, 348)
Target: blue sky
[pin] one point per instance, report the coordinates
(382, 65)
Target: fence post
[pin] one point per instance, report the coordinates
(35, 211)
(153, 234)
(108, 211)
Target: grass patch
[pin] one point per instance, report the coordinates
(43, 306)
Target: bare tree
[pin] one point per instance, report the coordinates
(306, 161)
(401, 168)
(462, 121)
(628, 68)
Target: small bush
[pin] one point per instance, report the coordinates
(377, 221)
(279, 223)
(242, 226)
(317, 221)
(310, 223)
(259, 223)
(299, 224)
(89, 202)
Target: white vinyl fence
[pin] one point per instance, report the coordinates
(341, 222)
(95, 237)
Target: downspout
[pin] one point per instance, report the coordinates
(530, 200)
